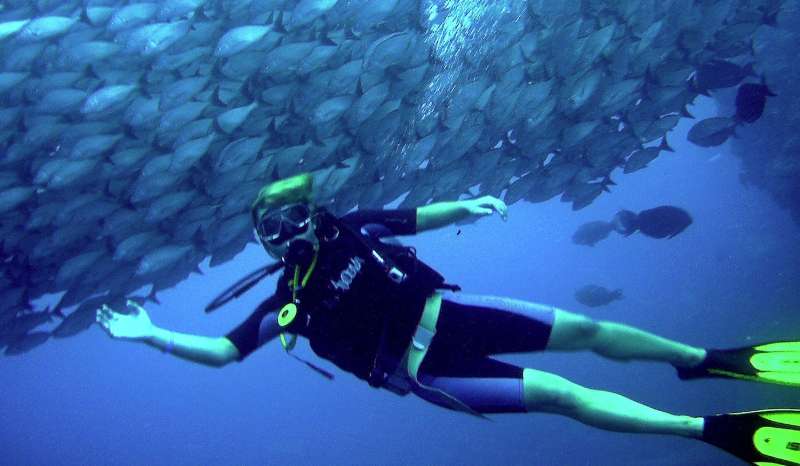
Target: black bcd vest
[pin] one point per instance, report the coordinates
(364, 299)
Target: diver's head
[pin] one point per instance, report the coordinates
(283, 215)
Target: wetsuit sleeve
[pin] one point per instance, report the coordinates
(398, 221)
(259, 328)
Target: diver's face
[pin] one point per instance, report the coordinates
(279, 227)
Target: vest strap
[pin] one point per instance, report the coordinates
(426, 329)
(420, 344)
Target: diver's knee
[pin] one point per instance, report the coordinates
(583, 331)
(550, 393)
(573, 332)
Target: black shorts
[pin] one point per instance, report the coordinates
(471, 329)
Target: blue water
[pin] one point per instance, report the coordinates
(730, 279)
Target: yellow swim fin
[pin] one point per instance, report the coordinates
(770, 437)
(777, 363)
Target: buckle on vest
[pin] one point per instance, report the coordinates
(422, 338)
(396, 275)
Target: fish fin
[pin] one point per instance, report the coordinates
(199, 14)
(702, 91)
(771, 18)
(142, 85)
(749, 70)
(59, 313)
(108, 244)
(128, 130)
(625, 222)
(21, 126)
(393, 71)
(693, 87)
(88, 72)
(607, 181)
(325, 40)
(152, 295)
(649, 76)
(277, 23)
(84, 16)
(315, 139)
(198, 239)
(351, 34)
(215, 97)
(217, 127)
(664, 146)
(247, 88)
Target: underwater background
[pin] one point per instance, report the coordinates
(731, 279)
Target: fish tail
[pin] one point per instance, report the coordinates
(749, 70)
(626, 222)
(664, 146)
(58, 312)
(152, 296)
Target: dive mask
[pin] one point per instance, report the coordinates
(279, 226)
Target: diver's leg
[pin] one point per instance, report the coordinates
(618, 341)
(546, 392)
(489, 386)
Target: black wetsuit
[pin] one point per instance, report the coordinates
(470, 328)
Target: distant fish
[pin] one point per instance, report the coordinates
(719, 74)
(711, 131)
(591, 233)
(595, 296)
(25, 343)
(750, 101)
(660, 222)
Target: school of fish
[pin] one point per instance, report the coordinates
(135, 135)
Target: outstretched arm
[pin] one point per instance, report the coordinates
(441, 214)
(136, 326)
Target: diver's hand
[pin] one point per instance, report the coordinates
(133, 326)
(487, 205)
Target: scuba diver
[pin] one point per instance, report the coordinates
(368, 305)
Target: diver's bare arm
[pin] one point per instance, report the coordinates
(440, 214)
(209, 351)
(444, 213)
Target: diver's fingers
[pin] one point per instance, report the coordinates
(104, 324)
(502, 208)
(108, 312)
(494, 204)
(101, 315)
(137, 309)
(104, 311)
